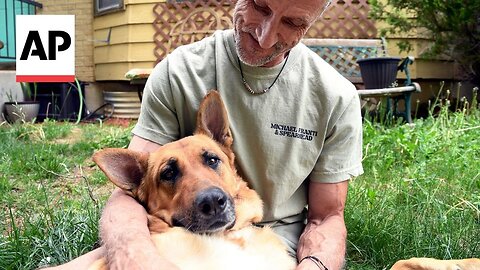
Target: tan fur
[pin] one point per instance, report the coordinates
(434, 264)
(241, 247)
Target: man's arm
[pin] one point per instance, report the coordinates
(124, 228)
(325, 234)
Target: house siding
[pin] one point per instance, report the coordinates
(83, 11)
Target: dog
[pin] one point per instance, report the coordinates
(200, 212)
(434, 264)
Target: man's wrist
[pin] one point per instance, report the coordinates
(314, 260)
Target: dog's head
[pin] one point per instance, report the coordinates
(191, 182)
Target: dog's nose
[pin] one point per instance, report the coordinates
(211, 202)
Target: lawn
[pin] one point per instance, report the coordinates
(419, 196)
(51, 192)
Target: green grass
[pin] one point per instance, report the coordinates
(419, 196)
(51, 193)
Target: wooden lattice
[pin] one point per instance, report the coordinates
(197, 25)
(347, 19)
(179, 23)
(343, 19)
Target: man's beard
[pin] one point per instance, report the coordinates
(252, 58)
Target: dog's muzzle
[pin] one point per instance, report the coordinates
(212, 211)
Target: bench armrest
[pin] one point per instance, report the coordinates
(404, 68)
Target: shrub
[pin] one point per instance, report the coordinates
(453, 26)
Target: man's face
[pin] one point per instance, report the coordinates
(267, 29)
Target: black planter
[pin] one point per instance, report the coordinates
(378, 72)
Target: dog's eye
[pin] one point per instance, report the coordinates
(169, 173)
(211, 160)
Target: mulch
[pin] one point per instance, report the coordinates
(123, 122)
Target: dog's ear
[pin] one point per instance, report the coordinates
(125, 168)
(212, 119)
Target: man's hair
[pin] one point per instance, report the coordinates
(327, 4)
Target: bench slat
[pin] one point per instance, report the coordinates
(342, 42)
(414, 87)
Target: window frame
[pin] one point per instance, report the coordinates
(119, 6)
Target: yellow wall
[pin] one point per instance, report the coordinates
(131, 40)
(422, 68)
(83, 11)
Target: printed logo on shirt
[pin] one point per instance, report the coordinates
(293, 132)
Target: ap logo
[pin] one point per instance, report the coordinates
(45, 48)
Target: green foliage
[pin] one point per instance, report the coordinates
(117, 138)
(454, 27)
(51, 192)
(52, 237)
(420, 194)
(27, 90)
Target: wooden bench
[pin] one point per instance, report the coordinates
(343, 54)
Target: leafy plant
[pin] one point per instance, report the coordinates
(27, 91)
(80, 109)
(11, 97)
(77, 86)
(453, 26)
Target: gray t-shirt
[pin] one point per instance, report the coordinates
(308, 126)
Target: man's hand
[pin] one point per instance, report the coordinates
(325, 234)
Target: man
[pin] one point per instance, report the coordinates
(295, 122)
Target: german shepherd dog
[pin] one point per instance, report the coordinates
(200, 212)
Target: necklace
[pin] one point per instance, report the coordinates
(249, 89)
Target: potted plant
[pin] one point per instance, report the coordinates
(379, 72)
(23, 111)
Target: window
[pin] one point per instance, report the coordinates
(108, 6)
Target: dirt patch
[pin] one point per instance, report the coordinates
(73, 137)
(78, 180)
(123, 122)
